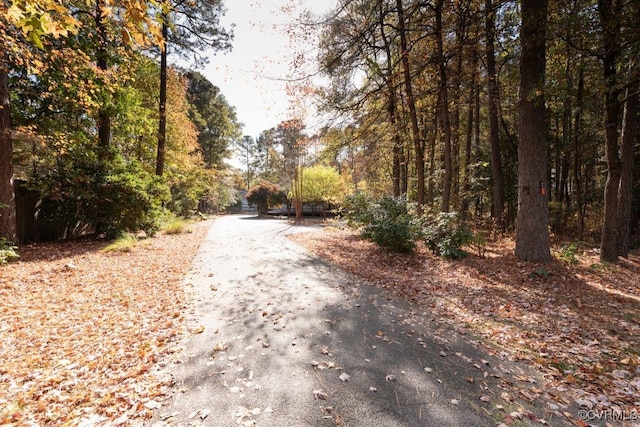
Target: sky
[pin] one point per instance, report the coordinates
(247, 76)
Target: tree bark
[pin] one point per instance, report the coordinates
(162, 122)
(577, 162)
(627, 154)
(8, 224)
(609, 19)
(445, 121)
(494, 136)
(466, 182)
(415, 131)
(532, 234)
(398, 148)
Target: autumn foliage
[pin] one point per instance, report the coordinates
(265, 195)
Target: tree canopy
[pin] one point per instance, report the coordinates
(437, 94)
(82, 134)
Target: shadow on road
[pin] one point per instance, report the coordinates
(289, 340)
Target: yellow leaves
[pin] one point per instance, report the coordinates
(39, 18)
(135, 37)
(139, 39)
(631, 360)
(106, 12)
(14, 13)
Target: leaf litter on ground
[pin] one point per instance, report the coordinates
(80, 345)
(578, 324)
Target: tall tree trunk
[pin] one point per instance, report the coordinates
(494, 135)
(445, 121)
(627, 154)
(408, 84)
(398, 149)
(102, 55)
(162, 122)
(609, 11)
(577, 162)
(532, 234)
(461, 35)
(466, 182)
(627, 151)
(8, 223)
(634, 215)
(476, 143)
(432, 161)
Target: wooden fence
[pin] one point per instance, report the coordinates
(31, 228)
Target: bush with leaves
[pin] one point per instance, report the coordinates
(7, 252)
(446, 233)
(391, 224)
(265, 195)
(187, 189)
(356, 209)
(103, 193)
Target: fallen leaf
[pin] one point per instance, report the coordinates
(152, 404)
(198, 330)
(220, 346)
(319, 395)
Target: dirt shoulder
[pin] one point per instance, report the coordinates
(82, 330)
(578, 324)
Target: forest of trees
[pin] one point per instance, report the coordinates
(519, 115)
(97, 125)
(522, 111)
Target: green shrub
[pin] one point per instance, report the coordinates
(569, 253)
(356, 209)
(105, 194)
(7, 252)
(445, 235)
(391, 225)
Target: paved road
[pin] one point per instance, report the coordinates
(289, 340)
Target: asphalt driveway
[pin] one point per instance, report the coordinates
(280, 338)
